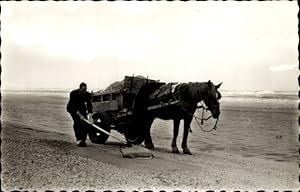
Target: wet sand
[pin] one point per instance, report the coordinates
(39, 153)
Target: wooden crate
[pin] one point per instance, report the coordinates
(131, 88)
(132, 85)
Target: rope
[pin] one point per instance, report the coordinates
(214, 128)
(197, 118)
(202, 119)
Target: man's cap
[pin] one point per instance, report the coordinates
(82, 84)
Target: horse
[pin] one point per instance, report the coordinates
(188, 95)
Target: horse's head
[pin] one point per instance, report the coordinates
(212, 98)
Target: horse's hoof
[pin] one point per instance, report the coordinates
(175, 150)
(149, 146)
(187, 151)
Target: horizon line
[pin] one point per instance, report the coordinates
(69, 89)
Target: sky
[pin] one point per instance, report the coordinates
(57, 45)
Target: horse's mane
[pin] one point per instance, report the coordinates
(197, 89)
(191, 90)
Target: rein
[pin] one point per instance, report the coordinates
(202, 119)
(205, 119)
(197, 118)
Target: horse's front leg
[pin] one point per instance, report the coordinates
(187, 124)
(148, 140)
(175, 134)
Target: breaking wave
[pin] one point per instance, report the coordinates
(261, 94)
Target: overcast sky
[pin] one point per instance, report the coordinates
(246, 45)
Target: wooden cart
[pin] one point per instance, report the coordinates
(119, 109)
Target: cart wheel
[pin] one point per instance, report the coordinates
(136, 140)
(101, 119)
(133, 136)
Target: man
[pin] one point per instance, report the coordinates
(79, 104)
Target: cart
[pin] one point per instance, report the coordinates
(122, 109)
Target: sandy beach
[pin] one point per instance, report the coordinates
(248, 151)
(243, 55)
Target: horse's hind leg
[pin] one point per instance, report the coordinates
(148, 140)
(187, 123)
(175, 134)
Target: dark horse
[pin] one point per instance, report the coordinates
(189, 95)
